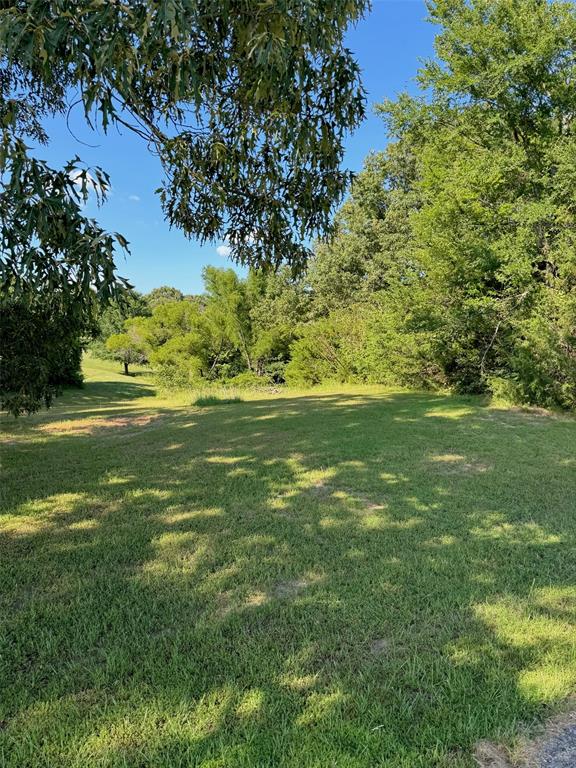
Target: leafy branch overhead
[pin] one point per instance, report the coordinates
(246, 103)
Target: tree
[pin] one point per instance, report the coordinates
(41, 343)
(279, 304)
(228, 309)
(245, 103)
(126, 349)
(111, 319)
(163, 295)
(374, 243)
(497, 224)
(454, 261)
(56, 264)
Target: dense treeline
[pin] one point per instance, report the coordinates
(454, 261)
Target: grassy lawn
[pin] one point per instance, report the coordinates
(348, 578)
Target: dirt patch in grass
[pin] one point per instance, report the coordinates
(92, 426)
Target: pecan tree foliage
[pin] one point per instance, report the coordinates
(246, 103)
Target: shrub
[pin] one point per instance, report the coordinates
(250, 380)
(178, 374)
(542, 361)
(322, 353)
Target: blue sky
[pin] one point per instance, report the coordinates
(388, 44)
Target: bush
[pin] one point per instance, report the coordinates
(542, 362)
(250, 380)
(41, 350)
(322, 353)
(378, 343)
(181, 374)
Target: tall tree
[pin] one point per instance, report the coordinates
(497, 163)
(468, 220)
(228, 307)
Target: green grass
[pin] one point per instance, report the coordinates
(346, 579)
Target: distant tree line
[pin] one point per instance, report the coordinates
(239, 330)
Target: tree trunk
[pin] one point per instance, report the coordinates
(126, 369)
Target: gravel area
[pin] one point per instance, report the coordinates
(558, 749)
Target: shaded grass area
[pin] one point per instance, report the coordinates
(206, 400)
(352, 579)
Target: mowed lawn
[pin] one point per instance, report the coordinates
(337, 579)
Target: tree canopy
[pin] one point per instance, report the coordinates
(245, 103)
(455, 258)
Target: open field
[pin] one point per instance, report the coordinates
(327, 579)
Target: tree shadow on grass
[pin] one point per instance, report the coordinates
(332, 580)
(97, 392)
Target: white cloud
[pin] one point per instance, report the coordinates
(134, 198)
(224, 250)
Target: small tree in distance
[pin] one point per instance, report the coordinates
(125, 349)
(163, 295)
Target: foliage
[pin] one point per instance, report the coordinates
(250, 380)
(205, 401)
(245, 103)
(47, 243)
(41, 347)
(240, 327)
(163, 295)
(454, 261)
(325, 351)
(54, 261)
(124, 347)
(112, 317)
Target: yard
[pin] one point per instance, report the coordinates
(339, 578)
